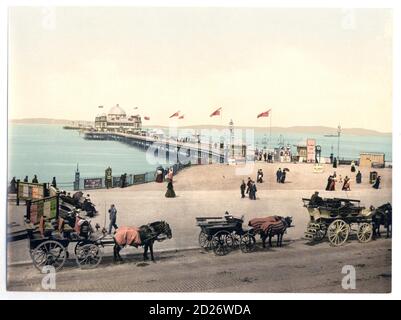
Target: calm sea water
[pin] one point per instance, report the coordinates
(49, 150)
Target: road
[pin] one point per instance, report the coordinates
(296, 267)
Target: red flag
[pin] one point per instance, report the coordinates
(264, 114)
(146, 118)
(181, 117)
(216, 112)
(175, 114)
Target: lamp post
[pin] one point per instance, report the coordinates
(338, 143)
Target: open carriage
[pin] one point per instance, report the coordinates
(222, 234)
(48, 246)
(336, 218)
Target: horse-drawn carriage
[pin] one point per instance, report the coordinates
(222, 234)
(336, 218)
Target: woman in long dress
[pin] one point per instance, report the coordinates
(170, 190)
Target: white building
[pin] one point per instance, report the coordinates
(117, 120)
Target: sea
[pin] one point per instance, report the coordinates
(51, 151)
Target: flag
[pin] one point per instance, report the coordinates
(146, 118)
(264, 114)
(216, 112)
(175, 114)
(181, 117)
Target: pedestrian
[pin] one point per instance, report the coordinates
(376, 185)
(170, 193)
(26, 179)
(283, 176)
(243, 187)
(329, 182)
(248, 185)
(359, 177)
(346, 185)
(353, 166)
(278, 175)
(259, 176)
(113, 218)
(333, 183)
(252, 191)
(13, 185)
(54, 183)
(265, 156)
(35, 179)
(335, 162)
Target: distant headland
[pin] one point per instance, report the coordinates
(292, 129)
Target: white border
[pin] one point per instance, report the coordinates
(396, 266)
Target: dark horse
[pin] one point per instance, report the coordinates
(148, 234)
(278, 229)
(382, 215)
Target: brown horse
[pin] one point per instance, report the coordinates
(146, 236)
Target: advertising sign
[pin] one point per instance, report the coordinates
(139, 178)
(30, 191)
(95, 183)
(310, 150)
(46, 207)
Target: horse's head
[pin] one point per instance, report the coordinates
(288, 221)
(162, 227)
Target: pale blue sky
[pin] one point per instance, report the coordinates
(311, 66)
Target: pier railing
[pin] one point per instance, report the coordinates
(91, 183)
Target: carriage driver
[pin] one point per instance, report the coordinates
(315, 199)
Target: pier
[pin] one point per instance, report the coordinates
(196, 153)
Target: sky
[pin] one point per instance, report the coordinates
(310, 66)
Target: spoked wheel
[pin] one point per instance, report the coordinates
(222, 242)
(247, 243)
(204, 240)
(49, 253)
(88, 256)
(236, 239)
(365, 232)
(338, 232)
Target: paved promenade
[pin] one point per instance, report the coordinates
(212, 190)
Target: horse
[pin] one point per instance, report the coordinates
(382, 216)
(143, 236)
(271, 226)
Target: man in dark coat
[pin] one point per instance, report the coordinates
(278, 175)
(283, 175)
(359, 177)
(243, 187)
(248, 185)
(35, 179)
(54, 183)
(113, 218)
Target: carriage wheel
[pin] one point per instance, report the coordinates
(204, 240)
(222, 242)
(49, 253)
(338, 232)
(365, 232)
(236, 240)
(88, 256)
(247, 243)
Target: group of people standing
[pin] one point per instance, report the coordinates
(14, 182)
(248, 188)
(261, 155)
(332, 180)
(281, 175)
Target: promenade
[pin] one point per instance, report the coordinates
(211, 190)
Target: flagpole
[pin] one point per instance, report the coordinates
(270, 138)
